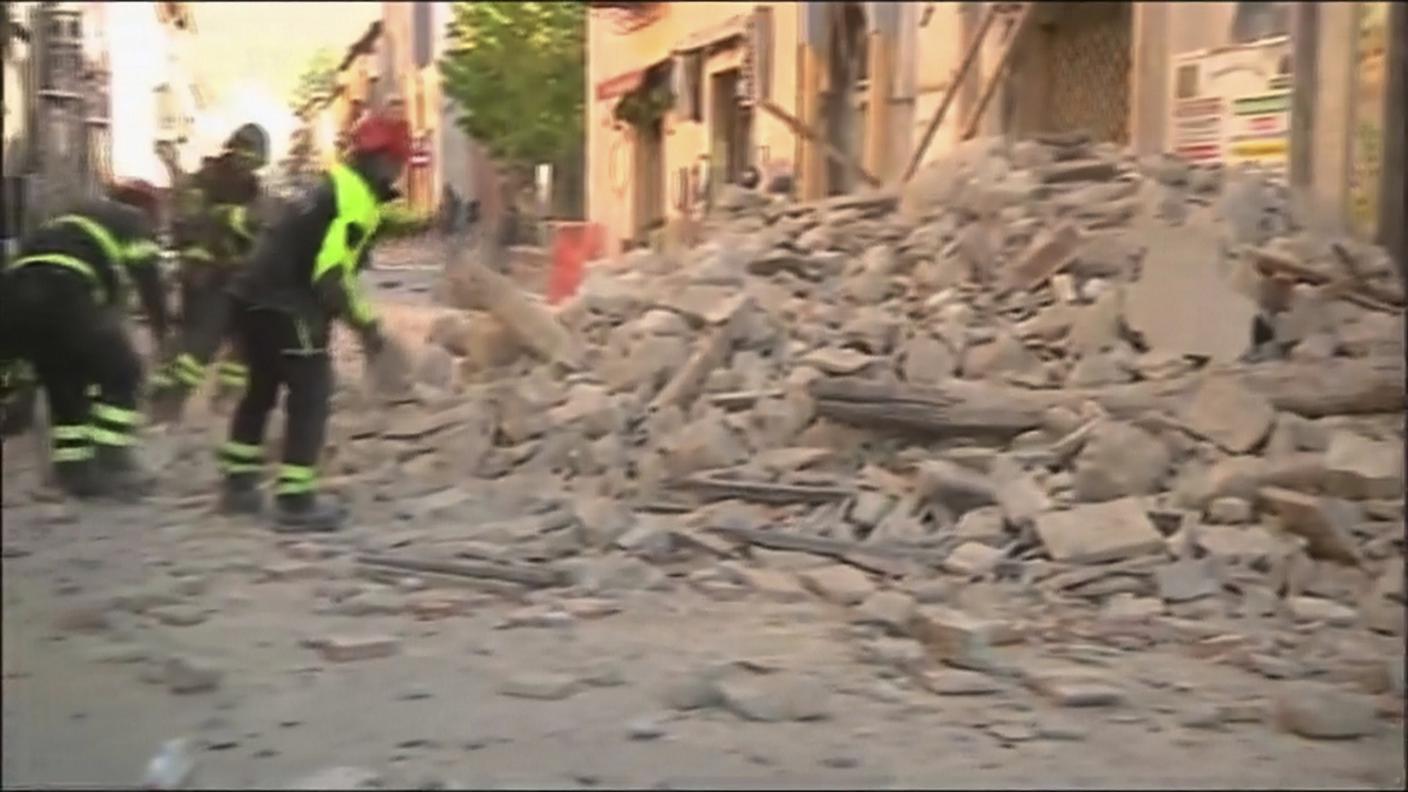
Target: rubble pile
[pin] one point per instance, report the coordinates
(1049, 391)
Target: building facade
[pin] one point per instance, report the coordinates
(90, 88)
(681, 97)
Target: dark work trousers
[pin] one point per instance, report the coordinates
(284, 352)
(54, 321)
(205, 328)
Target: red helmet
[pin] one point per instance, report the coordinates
(377, 134)
(136, 192)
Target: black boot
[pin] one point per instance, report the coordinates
(306, 511)
(240, 494)
(78, 478)
(122, 475)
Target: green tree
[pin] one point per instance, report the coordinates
(318, 77)
(517, 71)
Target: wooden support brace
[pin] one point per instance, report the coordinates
(974, 47)
(831, 151)
(990, 88)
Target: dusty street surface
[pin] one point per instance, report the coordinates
(720, 533)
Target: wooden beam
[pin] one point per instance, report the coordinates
(994, 79)
(831, 151)
(1393, 200)
(974, 47)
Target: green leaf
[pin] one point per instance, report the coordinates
(518, 73)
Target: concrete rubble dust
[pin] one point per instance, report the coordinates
(990, 482)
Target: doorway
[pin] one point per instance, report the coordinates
(1073, 72)
(730, 127)
(649, 168)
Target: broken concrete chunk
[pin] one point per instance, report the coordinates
(1076, 689)
(892, 610)
(984, 524)
(1324, 522)
(1230, 415)
(1187, 580)
(1321, 712)
(927, 361)
(960, 640)
(955, 486)
(540, 686)
(1230, 511)
(837, 361)
(972, 558)
(344, 649)
(1360, 468)
(1119, 460)
(775, 698)
(841, 584)
(187, 674)
(1316, 609)
(1099, 532)
(1047, 255)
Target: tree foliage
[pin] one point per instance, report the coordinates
(318, 77)
(517, 71)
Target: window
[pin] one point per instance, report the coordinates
(1257, 21)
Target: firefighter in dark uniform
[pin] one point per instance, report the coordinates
(303, 274)
(62, 306)
(215, 231)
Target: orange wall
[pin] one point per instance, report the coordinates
(610, 194)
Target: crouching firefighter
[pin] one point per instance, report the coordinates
(64, 299)
(302, 274)
(215, 230)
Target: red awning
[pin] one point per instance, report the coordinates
(619, 85)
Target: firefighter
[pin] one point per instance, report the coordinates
(64, 299)
(215, 230)
(303, 274)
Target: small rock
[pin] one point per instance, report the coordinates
(972, 559)
(1321, 712)
(699, 690)
(774, 698)
(344, 649)
(1324, 522)
(1359, 468)
(1120, 460)
(1316, 609)
(1230, 415)
(1074, 689)
(1229, 511)
(540, 686)
(960, 640)
(890, 609)
(953, 682)
(645, 728)
(184, 674)
(1187, 580)
(840, 584)
(1098, 532)
(1202, 716)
